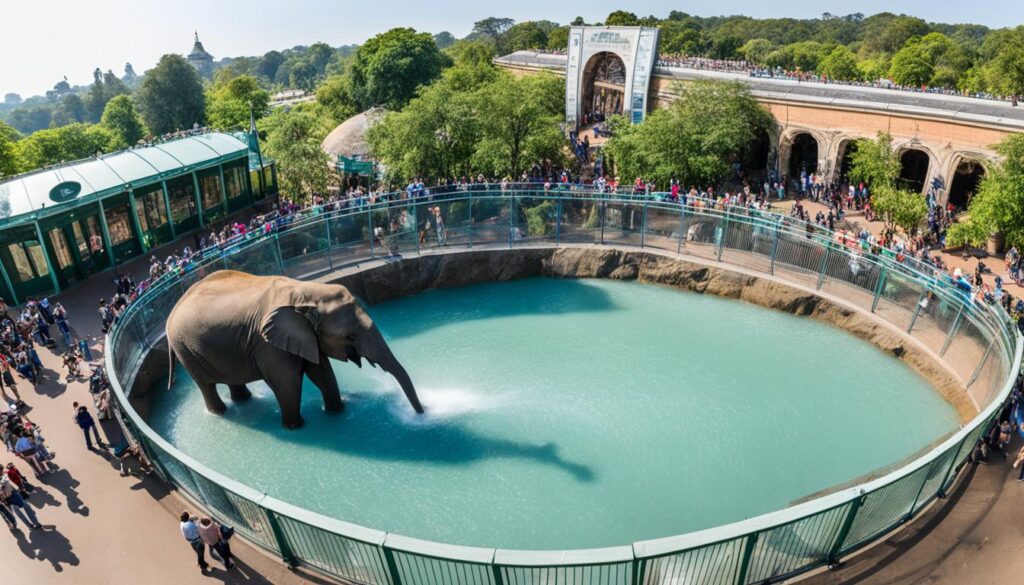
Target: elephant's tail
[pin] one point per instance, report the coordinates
(170, 361)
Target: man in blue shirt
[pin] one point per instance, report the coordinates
(190, 531)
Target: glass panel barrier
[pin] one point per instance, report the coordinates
(715, 564)
(885, 508)
(801, 545)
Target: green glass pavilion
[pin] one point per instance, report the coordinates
(61, 224)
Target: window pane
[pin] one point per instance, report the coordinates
(61, 249)
(119, 225)
(19, 261)
(210, 188)
(38, 257)
(183, 203)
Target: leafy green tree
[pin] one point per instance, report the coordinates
(492, 27)
(268, 64)
(1003, 56)
(229, 104)
(524, 35)
(71, 109)
(875, 163)
(558, 39)
(171, 96)
(933, 59)
(444, 39)
(333, 96)
(319, 55)
(30, 119)
(519, 123)
(389, 67)
(302, 165)
(622, 18)
(695, 139)
(123, 121)
(887, 33)
(10, 159)
(840, 64)
(67, 143)
(899, 208)
(998, 205)
(757, 50)
(804, 56)
(681, 37)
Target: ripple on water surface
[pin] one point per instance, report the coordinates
(574, 414)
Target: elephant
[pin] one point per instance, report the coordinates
(234, 328)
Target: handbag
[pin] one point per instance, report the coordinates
(226, 532)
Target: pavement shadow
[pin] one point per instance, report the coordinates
(67, 485)
(243, 573)
(49, 545)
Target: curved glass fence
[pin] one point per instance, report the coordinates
(976, 341)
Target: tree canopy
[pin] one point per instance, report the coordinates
(171, 96)
(694, 139)
(302, 166)
(875, 163)
(230, 103)
(67, 143)
(121, 119)
(998, 205)
(387, 69)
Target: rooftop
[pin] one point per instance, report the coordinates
(33, 194)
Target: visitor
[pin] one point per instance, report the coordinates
(211, 533)
(28, 449)
(85, 422)
(190, 530)
(60, 316)
(10, 495)
(1004, 435)
(106, 315)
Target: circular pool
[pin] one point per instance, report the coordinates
(566, 414)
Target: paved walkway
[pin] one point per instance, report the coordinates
(102, 528)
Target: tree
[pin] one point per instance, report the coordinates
(695, 139)
(268, 64)
(887, 33)
(12, 99)
(930, 60)
(622, 18)
(492, 27)
(757, 50)
(525, 35)
(1003, 56)
(899, 208)
(123, 121)
(444, 39)
(519, 123)
(230, 104)
(10, 160)
(998, 205)
(333, 96)
(875, 163)
(558, 39)
(387, 69)
(30, 119)
(72, 142)
(302, 165)
(840, 64)
(171, 96)
(70, 110)
(681, 37)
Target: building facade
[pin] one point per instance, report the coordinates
(62, 224)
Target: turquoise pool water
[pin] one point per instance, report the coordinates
(574, 414)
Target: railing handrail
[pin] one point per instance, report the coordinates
(987, 318)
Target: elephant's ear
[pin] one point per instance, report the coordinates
(288, 330)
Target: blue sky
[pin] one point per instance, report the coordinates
(43, 40)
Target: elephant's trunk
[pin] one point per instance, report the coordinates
(379, 353)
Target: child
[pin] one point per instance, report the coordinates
(19, 481)
(71, 361)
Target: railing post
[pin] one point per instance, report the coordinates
(558, 222)
(844, 531)
(282, 543)
(682, 228)
(277, 254)
(643, 225)
(824, 264)
(952, 331)
(748, 551)
(917, 309)
(416, 225)
(952, 465)
(725, 231)
(469, 231)
(639, 568)
(330, 257)
(604, 212)
(389, 558)
(981, 364)
(496, 571)
(511, 218)
(776, 236)
(369, 227)
(879, 287)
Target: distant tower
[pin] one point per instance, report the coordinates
(200, 59)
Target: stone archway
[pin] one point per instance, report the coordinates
(963, 181)
(803, 154)
(915, 164)
(604, 87)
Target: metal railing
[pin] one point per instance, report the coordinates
(976, 341)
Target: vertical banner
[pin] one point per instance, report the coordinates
(646, 55)
(572, 76)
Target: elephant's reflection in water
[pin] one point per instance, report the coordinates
(376, 425)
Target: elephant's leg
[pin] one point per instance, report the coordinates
(286, 383)
(322, 375)
(213, 402)
(239, 392)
